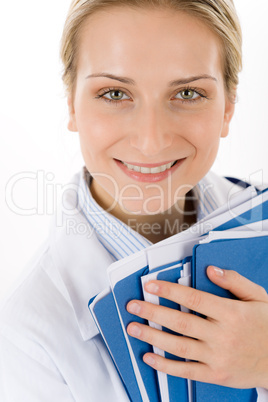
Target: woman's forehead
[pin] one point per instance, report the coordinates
(125, 40)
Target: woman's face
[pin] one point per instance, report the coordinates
(149, 93)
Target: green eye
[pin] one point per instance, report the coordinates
(113, 95)
(116, 95)
(187, 94)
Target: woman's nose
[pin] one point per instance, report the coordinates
(151, 133)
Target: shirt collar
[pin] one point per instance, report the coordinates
(119, 239)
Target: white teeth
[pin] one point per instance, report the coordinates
(147, 170)
(157, 169)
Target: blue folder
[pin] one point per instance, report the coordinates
(249, 257)
(108, 320)
(124, 291)
(177, 387)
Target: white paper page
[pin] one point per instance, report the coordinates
(162, 377)
(169, 253)
(162, 380)
(148, 296)
(256, 226)
(230, 234)
(186, 280)
(126, 266)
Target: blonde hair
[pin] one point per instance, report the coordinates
(219, 15)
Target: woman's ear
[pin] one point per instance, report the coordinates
(72, 119)
(228, 114)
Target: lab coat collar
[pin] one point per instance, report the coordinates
(212, 192)
(79, 257)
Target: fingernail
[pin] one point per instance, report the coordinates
(218, 271)
(151, 288)
(133, 308)
(134, 330)
(149, 360)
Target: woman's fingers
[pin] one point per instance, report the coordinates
(190, 370)
(229, 347)
(204, 303)
(179, 322)
(180, 346)
(201, 302)
(237, 284)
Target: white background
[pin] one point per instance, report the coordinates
(33, 117)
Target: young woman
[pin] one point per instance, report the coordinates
(151, 89)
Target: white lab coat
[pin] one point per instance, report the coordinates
(50, 348)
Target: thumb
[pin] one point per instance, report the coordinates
(238, 285)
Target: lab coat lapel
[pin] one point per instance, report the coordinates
(80, 259)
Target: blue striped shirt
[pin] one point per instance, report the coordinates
(119, 239)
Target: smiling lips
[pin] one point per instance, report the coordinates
(149, 172)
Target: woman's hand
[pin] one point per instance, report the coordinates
(229, 347)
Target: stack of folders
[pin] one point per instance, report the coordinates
(233, 237)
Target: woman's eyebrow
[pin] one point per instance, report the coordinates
(192, 79)
(178, 82)
(125, 80)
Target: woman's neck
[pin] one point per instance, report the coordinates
(155, 227)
